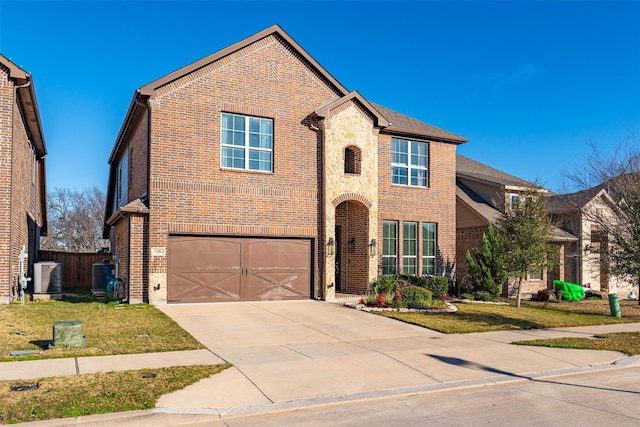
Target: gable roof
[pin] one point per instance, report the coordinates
(478, 205)
(26, 96)
(467, 168)
(405, 125)
(275, 29)
(324, 110)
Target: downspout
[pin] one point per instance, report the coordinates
(146, 280)
(322, 261)
(13, 112)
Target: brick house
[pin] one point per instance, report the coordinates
(22, 176)
(580, 214)
(481, 194)
(253, 174)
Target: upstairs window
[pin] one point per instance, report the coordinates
(352, 160)
(247, 143)
(122, 182)
(409, 160)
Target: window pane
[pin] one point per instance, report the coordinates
(419, 154)
(254, 125)
(227, 121)
(233, 157)
(266, 127)
(428, 266)
(389, 266)
(419, 177)
(238, 122)
(399, 176)
(399, 151)
(260, 160)
(409, 265)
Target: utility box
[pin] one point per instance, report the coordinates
(47, 277)
(67, 334)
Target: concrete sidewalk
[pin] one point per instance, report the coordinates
(296, 354)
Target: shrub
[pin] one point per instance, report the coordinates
(468, 296)
(370, 298)
(385, 284)
(482, 296)
(416, 293)
(543, 295)
(438, 285)
(381, 300)
(414, 280)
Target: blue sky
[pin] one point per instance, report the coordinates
(529, 83)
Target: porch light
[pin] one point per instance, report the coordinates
(331, 247)
(373, 248)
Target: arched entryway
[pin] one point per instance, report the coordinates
(352, 247)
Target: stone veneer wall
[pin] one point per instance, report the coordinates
(350, 126)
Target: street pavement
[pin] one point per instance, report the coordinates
(305, 354)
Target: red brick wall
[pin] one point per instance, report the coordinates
(467, 239)
(18, 188)
(138, 160)
(190, 193)
(138, 292)
(6, 124)
(436, 204)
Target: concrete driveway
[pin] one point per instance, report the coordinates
(288, 354)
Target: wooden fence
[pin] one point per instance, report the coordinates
(76, 267)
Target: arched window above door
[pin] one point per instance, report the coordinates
(352, 160)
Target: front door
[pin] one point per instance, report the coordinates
(338, 258)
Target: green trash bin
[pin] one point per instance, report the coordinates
(614, 305)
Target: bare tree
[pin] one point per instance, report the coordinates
(75, 220)
(619, 175)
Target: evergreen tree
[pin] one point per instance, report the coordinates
(487, 264)
(526, 231)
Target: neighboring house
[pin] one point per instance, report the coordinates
(253, 174)
(22, 176)
(482, 193)
(585, 263)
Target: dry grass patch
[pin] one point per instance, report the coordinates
(62, 397)
(490, 317)
(109, 328)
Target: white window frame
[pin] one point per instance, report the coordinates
(425, 246)
(246, 148)
(408, 161)
(410, 261)
(389, 242)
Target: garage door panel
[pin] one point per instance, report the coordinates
(277, 285)
(216, 269)
(207, 287)
(202, 254)
(278, 253)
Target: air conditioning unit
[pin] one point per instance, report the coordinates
(47, 277)
(101, 274)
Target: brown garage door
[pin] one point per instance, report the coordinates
(216, 269)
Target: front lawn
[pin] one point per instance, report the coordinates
(100, 393)
(475, 317)
(109, 328)
(625, 342)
